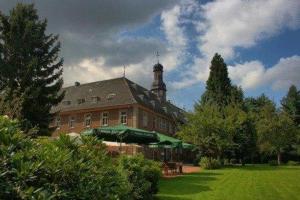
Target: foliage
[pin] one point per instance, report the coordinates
(233, 161)
(255, 105)
(219, 90)
(30, 68)
(143, 175)
(205, 128)
(273, 162)
(218, 85)
(221, 133)
(292, 163)
(276, 131)
(197, 159)
(291, 104)
(241, 131)
(57, 169)
(209, 163)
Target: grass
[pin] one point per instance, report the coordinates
(255, 182)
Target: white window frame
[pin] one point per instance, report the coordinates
(81, 101)
(72, 121)
(123, 117)
(66, 102)
(105, 118)
(58, 122)
(95, 99)
(145, 119)
(88, 117)
(163, 124)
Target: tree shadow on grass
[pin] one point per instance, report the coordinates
(170, 198)
(187, 184)
(262, 167)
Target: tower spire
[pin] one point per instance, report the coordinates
(157, 56)
(158, 85)
(124, 71)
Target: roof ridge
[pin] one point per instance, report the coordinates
(89, 83)
(129, 88)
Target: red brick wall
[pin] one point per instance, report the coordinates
(79, 125)
(114, 119)
(150, 125)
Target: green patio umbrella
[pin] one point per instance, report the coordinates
(122, 133)
(188, 146)
(88, 132)
(166, 141)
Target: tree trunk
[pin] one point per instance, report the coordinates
(278, 158)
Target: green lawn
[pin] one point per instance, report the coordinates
(237, 183)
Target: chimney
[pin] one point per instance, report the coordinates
(77, 83)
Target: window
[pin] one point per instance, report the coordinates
(145, 119)
(154, 123)
(95, 99)
(80, 101)
(105, 119)
(170, 128)
(88, 120)
(72, 122)
(123, 117)
(110, 96)
(57, 122)
(66, 102)
(162, 124)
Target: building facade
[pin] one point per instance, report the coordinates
(117, 101)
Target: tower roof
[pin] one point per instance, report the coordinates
(157, 67)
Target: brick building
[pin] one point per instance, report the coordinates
(117, 101)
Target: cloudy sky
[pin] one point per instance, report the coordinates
(259, 41)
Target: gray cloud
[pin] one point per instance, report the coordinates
(89, 29)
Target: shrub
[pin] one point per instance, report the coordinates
(273, 162)
(292, 163)
(60, 169)
(233, 161)
(227, 162)
(197, 160)
(142, 174)
(209, 163)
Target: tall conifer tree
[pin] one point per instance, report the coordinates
(218, 85)
(30, 67)
(291, 103)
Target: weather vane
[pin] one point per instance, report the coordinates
(157, 56)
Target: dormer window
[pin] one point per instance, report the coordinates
(80, 101)
(141, 96)
(66, 102)
(110, 96)
(95, 99)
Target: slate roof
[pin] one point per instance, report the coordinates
(114, 92)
